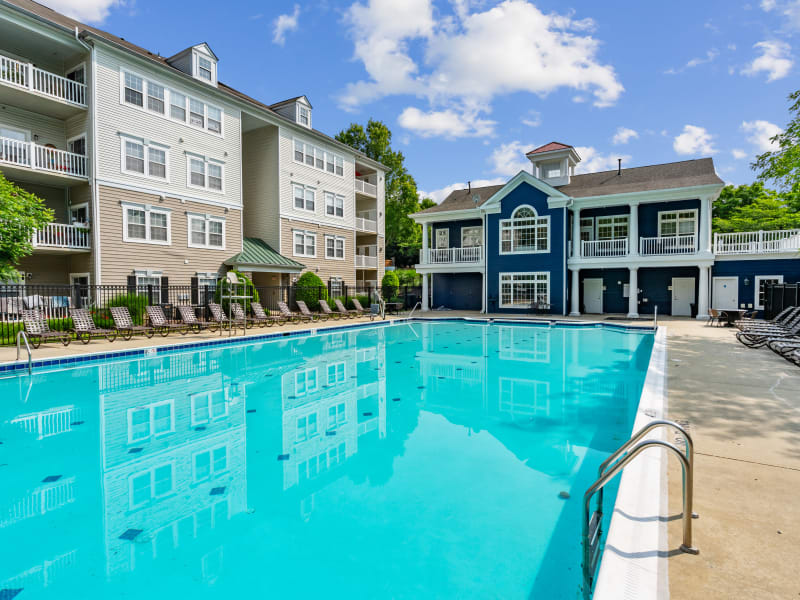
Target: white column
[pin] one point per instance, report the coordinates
(483, 291)
(576, 232)
(424, 258)
(702, 293)
(575, 294)
(705, 225)
(633, 231)
(425, 292)
(633, 292)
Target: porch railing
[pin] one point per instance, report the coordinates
(440, 256)
(25, 75)
(757, 242)
(367, 221)
(666, 246)
(366, 188)
(604, 248)
(366, 261)
(41, 158)
(62, 235)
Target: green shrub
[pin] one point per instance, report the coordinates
(248, 289)
(310, 289)
(408, 277)
(362, 298)
(389, 286)
(136, 303)
(8, 333)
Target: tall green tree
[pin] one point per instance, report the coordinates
(403, 235)
(754, 207)
(21, 213)
(783, 165)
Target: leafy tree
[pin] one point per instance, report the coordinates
(754, 207)
(311, 290)
(390, 285)
(783, 165)
(21, 214)
(403, 235)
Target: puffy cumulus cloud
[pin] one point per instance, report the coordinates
(759, 133)
(473, 55)
(283, 24)
(592, 160)
(509, 159)
(91, 11)
(694, 140)
(442, 193)
(445, 123)
(738, 154)
(624, 135)
(774, 59)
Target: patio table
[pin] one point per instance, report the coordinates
(731, 315)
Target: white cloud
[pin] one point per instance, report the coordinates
(91, 11)
(283, 24)
(624, 135)
(509, 159)
(788, 9)
(442, 193)
(759, 134)
(738, 154)
(533, 119)
(775, 60)
(694, 140)
(445, 123)
(474, 55)
(592, 160)
(695, 62)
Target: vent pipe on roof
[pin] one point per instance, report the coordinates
(469, 187)
(619, 166)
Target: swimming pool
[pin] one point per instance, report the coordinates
(418, 460)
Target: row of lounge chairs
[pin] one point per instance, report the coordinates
(84, 327)
(781, 334)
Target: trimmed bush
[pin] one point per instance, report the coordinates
(408, 277)
(390, 285)
(362, 298)
(136, 303)
(310, 289)
(222, 291)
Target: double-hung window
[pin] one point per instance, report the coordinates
(145, 224)
(329, 159)
(197, 172)
(155, 97)
(304, 115)
(334, 205)
(304, 197)
(206, 231)
(525, 232)
(209, 463)
(134, 89)
(150, 485)
(337, 415)
(151, 420)
(316, 157)
(214, 119)
(150, 282)
(205, 173)
(334, 247)
(677, 223)
(306, 427)
(196, 113)
(521, 290)
(305, 243)
(134, 157)
(298, 151)
(204, 68)
(177, 106)
(157, 163)
(337, 373)
(339, 166)
(612, 228)
(208, 406)
(143, 157)
(305, 382)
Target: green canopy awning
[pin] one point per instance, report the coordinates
(257, 255)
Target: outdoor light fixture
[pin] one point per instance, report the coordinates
(746, 281)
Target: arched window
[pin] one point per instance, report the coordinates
(525, 232)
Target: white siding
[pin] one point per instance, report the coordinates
(49, 129)
(116, 118)
(260, 185)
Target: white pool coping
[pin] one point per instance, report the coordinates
(634, 562)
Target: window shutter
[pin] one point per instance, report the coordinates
(195, 292)
(131, 284)
(164, 290)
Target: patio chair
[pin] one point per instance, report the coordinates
(239, 318)
(787, 322)
(124, 324)
(762, 338)
(782, 317)
(367, 312)
(784, 347)
(287, 314)
(218, 316)
(194, 324)
(159, 322)
(305, 314)
(262, 316)
(350, 313)
(714, 315)
(326, 310)
(84, 328)
(794, 357)
(38, 330)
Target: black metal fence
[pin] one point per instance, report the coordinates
(54, 301)
(779, 296)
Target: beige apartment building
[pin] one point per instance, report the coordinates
(160, 174)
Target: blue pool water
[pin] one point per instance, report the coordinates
(419, 460)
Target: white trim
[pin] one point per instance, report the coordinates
(190, 156)
(78, 67)
(555, 199)
(25, 132)
(122, 185)
(305, 234)
(502, 224)
(677, 212)
(151, 412)
(714, 303)
(336, 197)
(436, 238)
(324, 156)
(147, 210)
(145, 144)
(479, 227)
(335, 238)
(305, 189)
(513, 275)
(77, 137)
(196, 55)
(206, 218)
(756, 288)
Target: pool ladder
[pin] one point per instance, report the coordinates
(592, 521)
(411, 314)
(23, 337)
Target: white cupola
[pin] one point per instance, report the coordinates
(554, 163)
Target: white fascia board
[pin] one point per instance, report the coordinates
(447, 215)
(703, 259)
(684, 193)
(524, 177)
(766, 256)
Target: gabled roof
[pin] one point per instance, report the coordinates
(551, 147)
(190, 48)
(463, 199)
(303, 99)
(257, 252)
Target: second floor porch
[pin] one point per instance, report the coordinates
(58, 238)
(40, 163)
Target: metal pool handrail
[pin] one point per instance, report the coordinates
(655, 317)
(21, 335)
(411, 314)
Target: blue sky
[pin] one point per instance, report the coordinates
(467, 86)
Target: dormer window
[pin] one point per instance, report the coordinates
(204, 68)
(303, 115)
(205, 65)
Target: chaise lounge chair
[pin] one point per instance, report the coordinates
(124, 324)
(159, 322)
(261, 315)
(759, 338)
(780, 319)
(361, 309)
(349, 313)
(220, 318)
(305, 314)
(239, 318)
(84, 328)
(777, 328)
(327, 312)
(194, 324)
(38, 330)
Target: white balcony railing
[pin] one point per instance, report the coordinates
(25, 75)
(366, 188)
(41, 158)
(364, 261)
(443, 256)
(61, 235)
(367, 221)
(666, 246)
(604, 248)
(757, 242)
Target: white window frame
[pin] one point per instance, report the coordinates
(677, 222)
(212, 472)
(338, 371)
(336, 239)
(305, 188)
(305, 235)
(335, 200)
(757, 288)
(151, 408)
(79, 67)
(196, 55)
(445, 237)
(545, 274)
(615, 221)
(336, 160)
(146, 144)
(79, 206)
(339, 416)
(305, 375)
(300, 108)
(206, 218)
(306, 435)
(480, 236)
(504, 223)
(206, 161)
(148, 210)
(206, 397)
(152, 473)
(149, 274)
(75, 138)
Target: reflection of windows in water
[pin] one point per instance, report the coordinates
(211, 564)
(208, 406)
(306, 427)
(322, 462)
(337, 373)
(210, 463)
(151, 420)
(524, 397)
(337, 416)
(526, 344)
(305, 382)
(150, 485)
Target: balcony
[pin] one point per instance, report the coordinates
(451, 256)
(604, 248)
(32, 88)
(668, 246)
(32, 156)
(364, 261)
(366, 188)
(60, 237)
(757, 242)
(367, 222)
